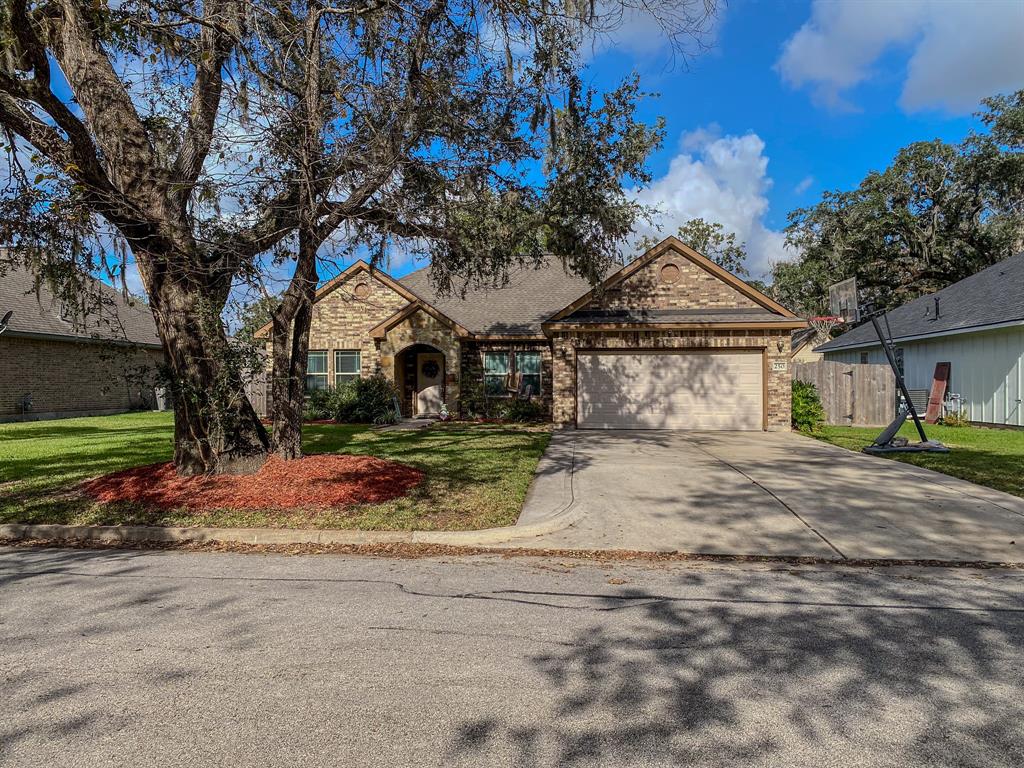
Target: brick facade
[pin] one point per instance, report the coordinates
(692, 288)
(671, 281)
(343, 318)
(70, 378)
(473, 364)
(422, 328)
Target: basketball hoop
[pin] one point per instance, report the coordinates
(823, 325)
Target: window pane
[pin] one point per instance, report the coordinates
(317, 362)
(496, 363)
(528, 362)
(531, 380)
(346, 361)
(495, 385)
(316, 381)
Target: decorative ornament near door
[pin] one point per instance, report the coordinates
(431, 369)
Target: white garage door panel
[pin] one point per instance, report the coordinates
(691, 390)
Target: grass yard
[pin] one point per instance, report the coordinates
(476, 475)
(992, 457)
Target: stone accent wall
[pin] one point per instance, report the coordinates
(343, 320)
(777, 405)
(473, 371)
(692, 288)
(67, 378)
(422, 328)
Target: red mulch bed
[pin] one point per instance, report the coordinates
(327, 480)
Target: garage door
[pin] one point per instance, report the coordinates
(665, 390)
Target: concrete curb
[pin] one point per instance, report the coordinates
(555, 509)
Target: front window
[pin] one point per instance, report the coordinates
(496, 372)
(346, 366)
(528, 368)
(505, 370)
(316, 370)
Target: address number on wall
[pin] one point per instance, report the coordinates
(778, 365)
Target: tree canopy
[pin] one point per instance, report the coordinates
(937, 214)
(210, 139)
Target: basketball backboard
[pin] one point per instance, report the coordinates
(843, 300)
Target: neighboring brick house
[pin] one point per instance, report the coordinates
(670, 341)
(57, 360)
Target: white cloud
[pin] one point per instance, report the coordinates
(804, 185)
(959, 50)
(719, 179)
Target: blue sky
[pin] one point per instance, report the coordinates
(798, 97)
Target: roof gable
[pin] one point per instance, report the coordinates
(673, 276)
(380, 331)
(355, 274)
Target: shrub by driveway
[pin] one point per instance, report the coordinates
(476, 476)
(991, 457)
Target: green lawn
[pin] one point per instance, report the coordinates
(992, 457)
(476, 475)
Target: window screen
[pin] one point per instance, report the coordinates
(346, 365)
(528, 368)
(316, 370)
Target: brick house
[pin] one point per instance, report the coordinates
(670, 341)
(58, 360)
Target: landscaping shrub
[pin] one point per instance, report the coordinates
(956, 419)
(320, 404)
(808, 413)
(366, 401)
(520, 410)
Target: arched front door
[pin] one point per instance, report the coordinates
(429, 382)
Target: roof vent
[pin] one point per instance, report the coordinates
(936, 307)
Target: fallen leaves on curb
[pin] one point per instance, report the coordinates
(323, 481)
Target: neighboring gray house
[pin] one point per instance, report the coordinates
(59, 360)
(976, 325)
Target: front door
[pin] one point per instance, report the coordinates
(429, 382)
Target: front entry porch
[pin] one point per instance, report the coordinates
(420, 377)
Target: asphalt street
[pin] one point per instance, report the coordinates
(126, 658)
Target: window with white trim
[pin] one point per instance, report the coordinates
(316, 370)
(346, 365)
(496, 372)
(527, 366)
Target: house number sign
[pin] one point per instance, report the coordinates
(778, 365)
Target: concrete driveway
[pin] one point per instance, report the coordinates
(753, 493)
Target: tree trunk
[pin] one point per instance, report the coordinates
(216, 429)
(290, 337)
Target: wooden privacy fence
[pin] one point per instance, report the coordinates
(257, 389)
(852, 394)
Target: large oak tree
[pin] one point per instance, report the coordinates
(219, 142)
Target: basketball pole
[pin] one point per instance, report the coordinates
(886, 345)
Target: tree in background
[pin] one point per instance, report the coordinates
(939, 213)
(712, 240)
(217, 141)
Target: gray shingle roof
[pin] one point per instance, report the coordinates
(107, 315)
(994, 295)
(655, 316)
(530, 298)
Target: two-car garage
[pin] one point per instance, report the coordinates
(664, 389)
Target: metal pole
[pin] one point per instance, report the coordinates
(899, 378)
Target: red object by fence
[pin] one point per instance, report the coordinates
(939, 383)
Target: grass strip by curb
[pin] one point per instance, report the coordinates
(411, 551)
